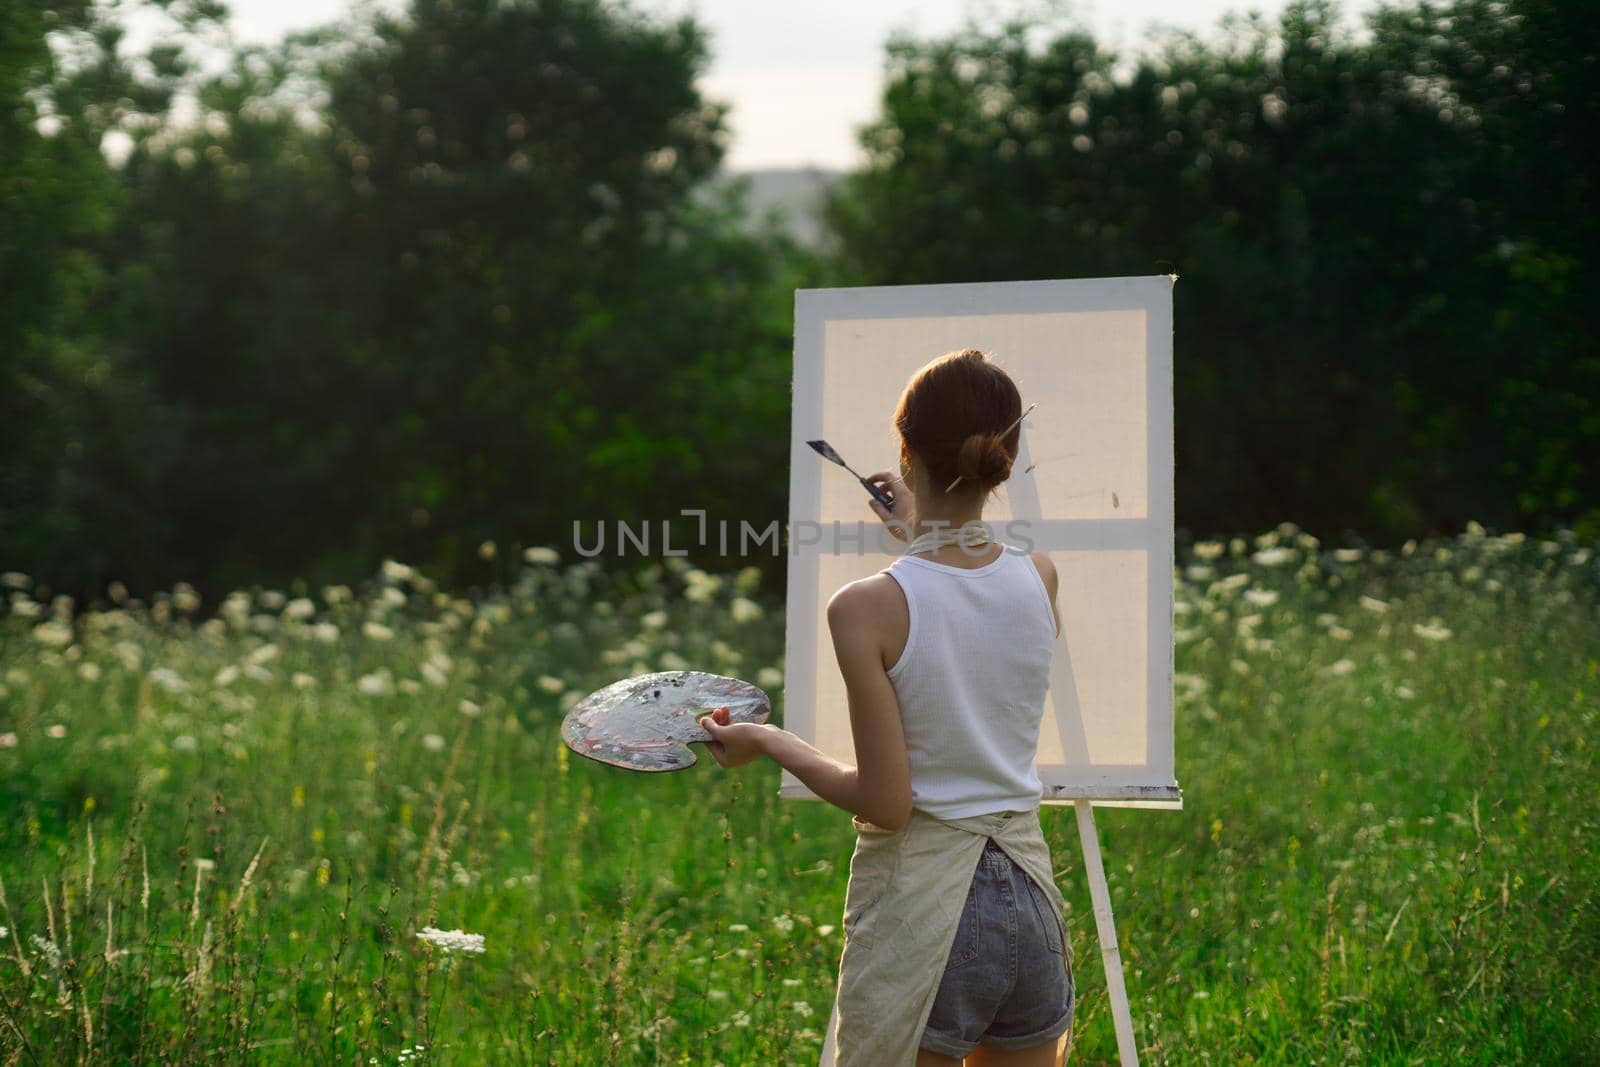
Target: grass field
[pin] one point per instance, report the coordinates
(221, 839)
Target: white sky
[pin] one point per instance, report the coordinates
(801, 75)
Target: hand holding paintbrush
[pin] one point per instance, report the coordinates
(891, 498)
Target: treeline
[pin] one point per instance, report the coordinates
(411, 285)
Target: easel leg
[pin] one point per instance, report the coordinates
(1110, 955)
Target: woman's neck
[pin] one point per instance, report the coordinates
(933, 510)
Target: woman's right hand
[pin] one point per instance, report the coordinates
(898, 520)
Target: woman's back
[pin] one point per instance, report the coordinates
(971, 682)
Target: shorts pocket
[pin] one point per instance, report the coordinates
(964, 949)
(1047, 917)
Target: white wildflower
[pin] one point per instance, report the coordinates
(748, 580)
(1431, 632)
(452, 940)
(53, 634)
(226, 676)
(302, 680)
(1261, 598)
(300, 608)
(15, 580)
(769, 678)
(168, 679)
(550, 683)
(1208, 550)
(744, 609)
(541, 555)
(374, 684)
(701, 586)
(47, 949)
(8, 740)
(1273, 557)
(337, 594)
(376, 630)
(393, 571)
(671, 661)
(1374, 605)
(1404, 692)
(486, 550)
(1339, 667)
(435, 676)
(1347, 555)
(469, 709)
(392, 597)
(57, 731)
(1339, 633)
(326, 632)
(653, 620)
(184, 743)
(185, 597)
(433, 742)
(89, 672)
(784, 923)
(738, 928)
(802, 1009)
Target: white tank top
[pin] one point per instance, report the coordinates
(971, 682)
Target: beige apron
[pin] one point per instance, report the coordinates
(901, 911)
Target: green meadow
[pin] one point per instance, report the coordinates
(225, 825)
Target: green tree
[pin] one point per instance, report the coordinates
(472, 300)
(1340, 229)
(78, 437)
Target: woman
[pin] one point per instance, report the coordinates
(945, 656)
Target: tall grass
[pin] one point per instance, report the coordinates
(222, 838)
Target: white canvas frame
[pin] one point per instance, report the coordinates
(1097, 329)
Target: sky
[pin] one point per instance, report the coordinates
(801, 76)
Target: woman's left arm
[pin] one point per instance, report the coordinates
(878, 788)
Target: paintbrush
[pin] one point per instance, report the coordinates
(879, 494)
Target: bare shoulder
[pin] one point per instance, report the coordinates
(873, 600)
(1047, 569)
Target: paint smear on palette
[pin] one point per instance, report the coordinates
(647, 723)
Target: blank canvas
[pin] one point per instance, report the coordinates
(1095, 356)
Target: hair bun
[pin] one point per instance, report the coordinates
(983, 460)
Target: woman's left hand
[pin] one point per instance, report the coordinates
(733, 744)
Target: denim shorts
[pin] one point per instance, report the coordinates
(1005, 985)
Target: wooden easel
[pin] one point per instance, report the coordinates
(1151, 533)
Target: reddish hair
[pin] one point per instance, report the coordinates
(960, 414)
